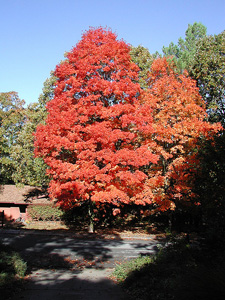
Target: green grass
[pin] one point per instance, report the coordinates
(177, 272)
(12, 270)
(122, 271)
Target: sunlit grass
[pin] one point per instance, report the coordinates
(122, 271)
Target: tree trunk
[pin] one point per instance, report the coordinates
(91, 218)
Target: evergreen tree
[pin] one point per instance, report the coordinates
(183, 53)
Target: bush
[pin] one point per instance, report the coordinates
(19, 265)
(48, 212)
(178, 271)
(12, 271)
(205, 282)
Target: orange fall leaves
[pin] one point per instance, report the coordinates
(107, 141)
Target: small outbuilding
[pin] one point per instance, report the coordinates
(15, 200)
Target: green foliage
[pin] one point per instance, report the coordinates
(48, 212)
(12, 267)
(19, 265)
(210, 186)
(143, 59)
(29, 169)
(47, 94)
(184, 52)
(208, 68)
(12, 119)
(17, 125)
(204, 58)
(122, 271)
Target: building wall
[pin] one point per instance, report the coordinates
(13, 213)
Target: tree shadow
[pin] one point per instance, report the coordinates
(69, 251)
(154, 245)
(58, 284)
(61, 265)
(35, 193)
(50, 251)
(9, 222)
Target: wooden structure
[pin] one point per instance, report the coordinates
(15, 200)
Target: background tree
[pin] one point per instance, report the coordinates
(183, 53)
(210, 186)
(179, 124)
(206, 64)
(203, 57)
(142, 57)
(90, 140)
(208, 68)
(12, 119)
(27, 168)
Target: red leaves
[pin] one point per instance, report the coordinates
(105, 143)
(90, 139)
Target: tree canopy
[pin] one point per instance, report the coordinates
(184, 51)
(142, 57)
(179, 121)
(106, 140)
(208, 68)
(12, 119)
(90, 141)
(27, 168)
(203, 57)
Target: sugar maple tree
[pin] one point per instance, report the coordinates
(179, 122)
(91, 139)
(106, 141)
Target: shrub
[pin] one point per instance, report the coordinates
(19, 265)
(12, 267)
(48, 212)
(178, 271)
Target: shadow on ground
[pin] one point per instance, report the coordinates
(67, 251)
(63, 266)
(49, 251)
(61, 284)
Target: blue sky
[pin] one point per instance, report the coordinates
(35, 34)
